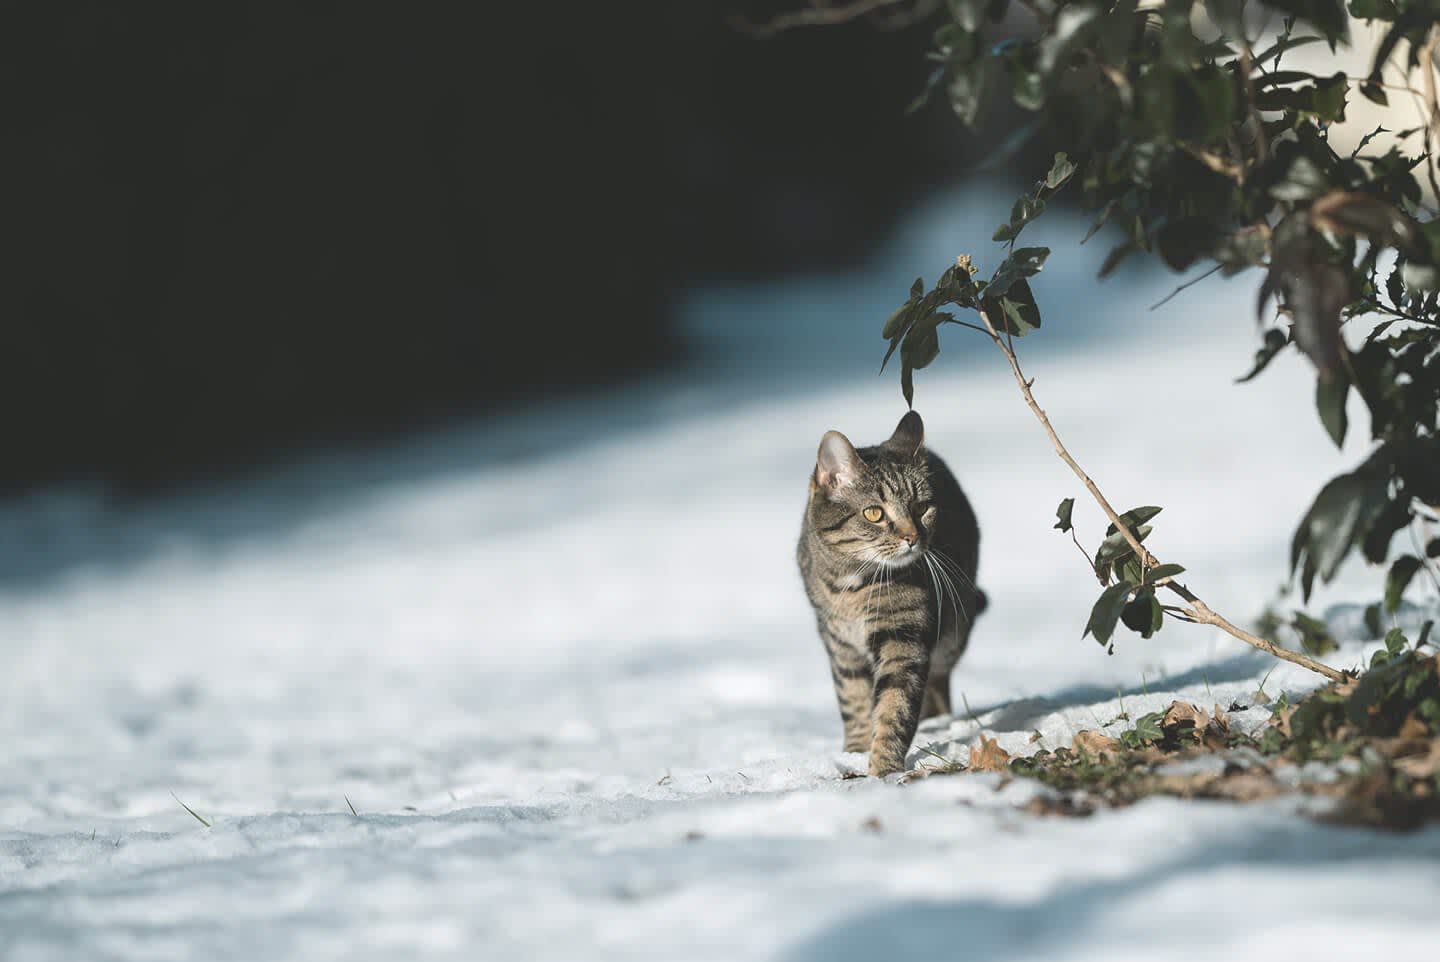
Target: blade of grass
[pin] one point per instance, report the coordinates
(190, 810)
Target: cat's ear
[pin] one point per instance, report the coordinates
(837, 464)
(909, 435)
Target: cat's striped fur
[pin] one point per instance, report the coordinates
(894, 593)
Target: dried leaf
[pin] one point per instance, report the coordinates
(1281, 719)
(988, 756)
(1095, 743)
(1181, 714)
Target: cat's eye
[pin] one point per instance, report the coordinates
(873, 514)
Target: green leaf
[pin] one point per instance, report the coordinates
(896, 324)
(1003, 233)
(1135, 516)
(1275, 341)
(1160, 572)
(920, 346)
(1373, 9)
(1021, 315)
(1147, 728)
(1060, 171)
(1023, 262)
(1398, 580)
(1395, 641)
(1107, 612)
(1115, 546)
(1062, 513)
(1330, 395)
(1143, 615)
(1342, 513)
(1328, 15)
(1372, 621)
(1315, 635)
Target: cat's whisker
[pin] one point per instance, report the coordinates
(956, 605)
(955, 568)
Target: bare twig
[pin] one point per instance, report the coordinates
(1197, 610)
(820, 14)
(1188, 284)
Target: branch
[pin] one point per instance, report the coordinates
(1198, 610)
(820, 14)
(1188, 284)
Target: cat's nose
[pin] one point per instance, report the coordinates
(910, 537)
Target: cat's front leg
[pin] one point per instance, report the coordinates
(853, 690)
(902, 666)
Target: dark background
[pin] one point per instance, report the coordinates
(234, 230)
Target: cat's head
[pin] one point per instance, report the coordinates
(875, 508)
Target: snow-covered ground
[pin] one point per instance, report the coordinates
(561, 666)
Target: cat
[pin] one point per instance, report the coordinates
(888, 552)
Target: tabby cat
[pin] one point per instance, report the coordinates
(888, 552)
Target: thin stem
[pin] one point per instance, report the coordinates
(1188, 284)
(1198, 610)
(819, 15)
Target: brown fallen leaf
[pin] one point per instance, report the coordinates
(872, 825)
(1094, 743)
(1281, 719)
(988, 756)
(1217, 731)
(1259, 698)
(1182, 713)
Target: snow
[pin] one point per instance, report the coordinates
(561, 665)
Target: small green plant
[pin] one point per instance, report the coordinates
(192, 811)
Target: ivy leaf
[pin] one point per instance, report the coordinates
(1147, 729)
(1398, 580)
(1062, 513)
(1107, 612)
(1060, 171)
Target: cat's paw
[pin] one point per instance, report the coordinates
(881, 766)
